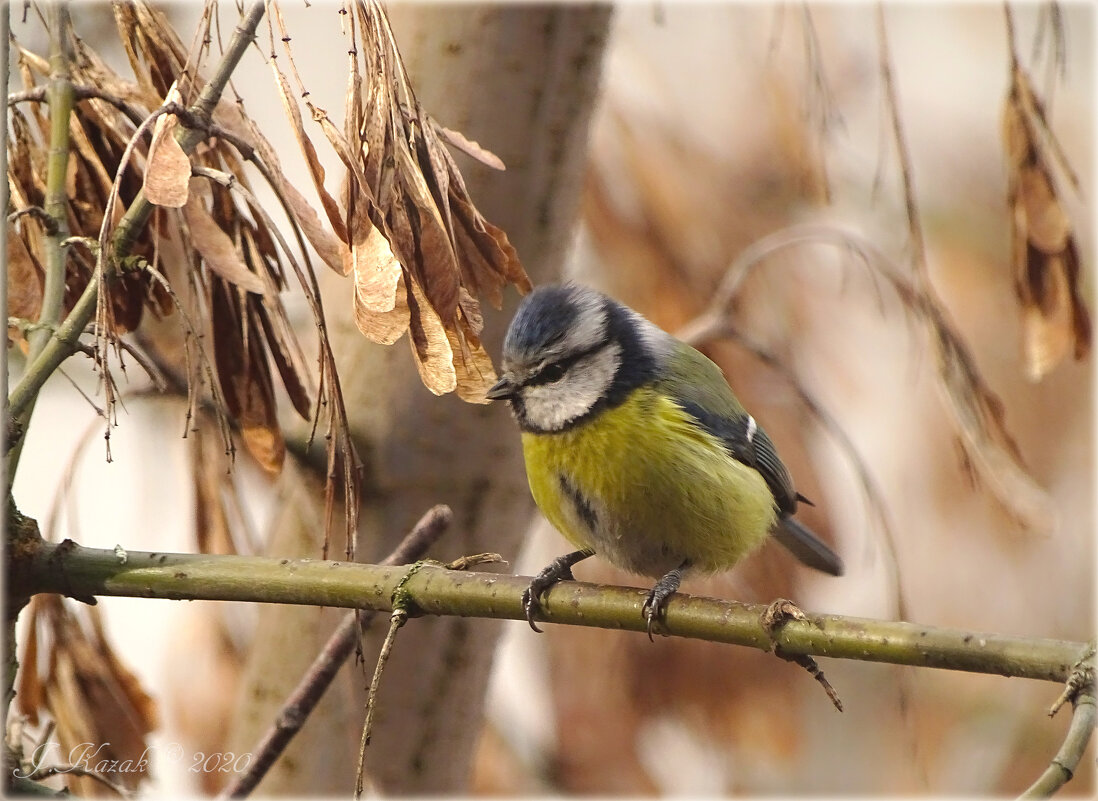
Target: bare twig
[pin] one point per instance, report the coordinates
(39, 94)
(403, 606)
(215, 387)
(397, 619)
(304, 698)
(775, 616)
(1081, 680)
(39, 213)
(975, 408)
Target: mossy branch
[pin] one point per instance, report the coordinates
(83, 573)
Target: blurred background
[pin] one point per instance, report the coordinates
(715, 125)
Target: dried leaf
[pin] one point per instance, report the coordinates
(1047, 331)
(94, 698)
(403, 185)
(430, 345)
(212, 484)
(1046, 223)
(244, 377)
(217, 250)
(470, 148)
(473, 367)
(286, 354)
(384, 327)
(489, 261)
(1044, 254)
(331, 248)
(24, 282)
(30, 694)
(316, 171)
(377, 273)
(167, 169)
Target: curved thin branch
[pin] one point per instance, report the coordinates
(38, 94)
(1063, 765)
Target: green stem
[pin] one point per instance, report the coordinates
(80, 572)
(61, 98)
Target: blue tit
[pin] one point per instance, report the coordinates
(637, 450)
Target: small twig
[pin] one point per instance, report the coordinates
(145, 363)
(1082, 676)
(466, 562)
(37, 94)
(809, 664)
(39, 213)
(304, 698)
(773, 619)
(203, 358)
(403, 607)
(397, 619)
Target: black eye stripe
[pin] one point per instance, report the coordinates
(554, 371)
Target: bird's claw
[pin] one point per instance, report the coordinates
(560, 569)
(531, 605)
(652, 611)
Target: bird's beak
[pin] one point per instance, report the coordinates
(503, 389)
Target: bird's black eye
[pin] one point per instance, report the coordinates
(552, 372)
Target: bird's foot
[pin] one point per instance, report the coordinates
(560, 569)
(655, 604)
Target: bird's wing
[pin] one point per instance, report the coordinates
(698, 386)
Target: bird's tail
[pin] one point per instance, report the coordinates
(807, 547)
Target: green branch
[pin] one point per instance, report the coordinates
(55, 204)
(82, 573)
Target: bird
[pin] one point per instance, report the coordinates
(637, 450)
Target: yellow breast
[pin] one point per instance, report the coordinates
(648, 490)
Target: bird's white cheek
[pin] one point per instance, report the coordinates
(551, 407)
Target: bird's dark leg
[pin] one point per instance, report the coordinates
(667, 586)
(560, 569)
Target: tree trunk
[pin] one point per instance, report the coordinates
(521, 81)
